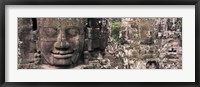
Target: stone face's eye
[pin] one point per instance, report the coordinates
(50, 32)
(72, 31)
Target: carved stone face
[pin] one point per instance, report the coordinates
(61, 40)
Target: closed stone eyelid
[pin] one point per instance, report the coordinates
(74, 32)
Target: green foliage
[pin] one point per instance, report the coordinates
(115, 31)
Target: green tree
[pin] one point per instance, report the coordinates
(116, 25)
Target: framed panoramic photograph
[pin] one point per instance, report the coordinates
(138, 43)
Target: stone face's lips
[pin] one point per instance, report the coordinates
(62, 54)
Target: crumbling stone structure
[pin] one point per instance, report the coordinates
(149, 43)
(87, 43)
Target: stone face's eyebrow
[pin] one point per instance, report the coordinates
(73, 27)
(51, 26)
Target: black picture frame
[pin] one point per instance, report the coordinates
(98, 2)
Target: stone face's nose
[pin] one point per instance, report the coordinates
(61, 42)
